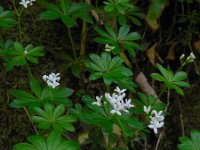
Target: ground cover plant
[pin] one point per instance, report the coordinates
(111, 74)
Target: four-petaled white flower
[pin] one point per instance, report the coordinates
(120, 92)
(52, 80)
(25, 3)
(128, 103)
(157, 120)
(157, 115)
(117, 101)
(98, 102)
(147, 109)
(155, 125)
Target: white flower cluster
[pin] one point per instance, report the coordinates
(189, 59)
(109, 48)
(157, 119)
(25, 3)
(117, 101)
(52, 80)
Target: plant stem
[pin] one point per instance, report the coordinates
(160, 94)
(72, 43)
(20, 29)
(181, 118)
(29, 71)
(126, 60)
(83, 38)
(29, 116)
(126, 139)
(18, 22)
(162, 132)
(168, 98)
(51, 95)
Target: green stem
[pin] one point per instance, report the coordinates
(29, 116)
(20, 29)
(125, 135)
(29, 71)
(72, 43)
(19, 21)
(160, 94)
(51, 95)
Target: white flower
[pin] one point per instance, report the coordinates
(190, 58)
(155, 125)
(117, 101)
(157, 120)
(116, 110)
(109, 48)
(117, 89)
(128, 103)
(109, 98)
(147, 109)
(98, 102)
(25, 3)
(158, 115)
(52, 80)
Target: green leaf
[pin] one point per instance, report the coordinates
(110, 69)
(122, 20)
(97, 60)
(180, 76)
(134, 20)
(123, 31)
(35, 87)
(67, 11)
(68, 21)
(171, 80)
(158, 77)
(190, 144)
(19, 56)
(53, 142)
(107, 78)
(53, 118)
(95, 76)
(80, 8)
(106, 60)
(50, 15)
(6, 20)
(18, 47)
(116, 62)
(111, 32)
